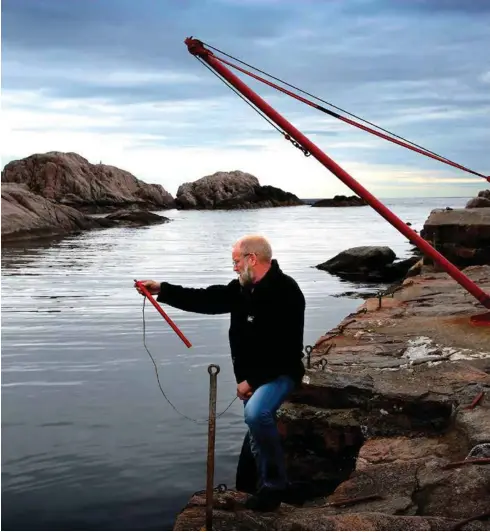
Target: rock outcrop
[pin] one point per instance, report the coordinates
(482, 200)
(69, 179)
(368, 264)
(231, 190)
(461, 235)
(136, 218)
(27, 215)
(391, 428)
(341, 201)
(230, 514)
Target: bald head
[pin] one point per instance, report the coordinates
(252, 256)
(254, 244)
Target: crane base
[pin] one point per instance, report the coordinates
(481, 319)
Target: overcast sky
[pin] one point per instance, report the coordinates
(113, 81)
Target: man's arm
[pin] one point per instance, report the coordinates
(215, 299)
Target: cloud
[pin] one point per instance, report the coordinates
(447, 6)
(114, 81)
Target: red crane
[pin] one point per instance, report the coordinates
(217, 64)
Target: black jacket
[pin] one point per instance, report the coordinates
(266, 322)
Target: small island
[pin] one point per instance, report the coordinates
(341, 201)
(232, 190)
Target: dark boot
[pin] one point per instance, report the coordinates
(297, 493)
(246, 473)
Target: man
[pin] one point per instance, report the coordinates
(266, 309)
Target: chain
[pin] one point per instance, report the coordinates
(297, 145)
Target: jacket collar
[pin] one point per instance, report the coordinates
(273, 272)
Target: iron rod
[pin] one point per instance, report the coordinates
(213, 371)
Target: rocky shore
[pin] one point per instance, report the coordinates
(391, 428)
(27, 216)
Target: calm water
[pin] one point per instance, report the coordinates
(88, 441)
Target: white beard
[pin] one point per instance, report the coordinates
(245, 277)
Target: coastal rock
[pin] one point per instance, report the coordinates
(341, 201)
(230, 514)
(136, 218)
(416, 269)
(367, 256)
(369, 264)
(461, 235)
(477, 203)
(231, 190)
(482, 200)
(28, 215)
(410, 476)
(69, 179)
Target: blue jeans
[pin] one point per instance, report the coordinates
(265, 441)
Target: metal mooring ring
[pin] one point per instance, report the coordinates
(213, 369)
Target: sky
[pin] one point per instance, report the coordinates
(112, 80)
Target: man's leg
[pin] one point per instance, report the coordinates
(247, 472)
(260, 416)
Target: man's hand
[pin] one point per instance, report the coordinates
(152, 286)
(244, 390)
